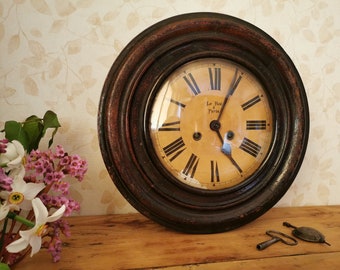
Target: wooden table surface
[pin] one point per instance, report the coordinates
(135, 242)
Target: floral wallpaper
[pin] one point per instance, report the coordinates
(55, 54)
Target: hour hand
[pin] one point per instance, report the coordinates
(226, 149)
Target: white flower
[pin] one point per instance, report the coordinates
(22, 194)
(13, 157)
(17, 173)
(33, 236)
(4, 209)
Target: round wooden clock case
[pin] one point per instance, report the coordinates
(203, 122)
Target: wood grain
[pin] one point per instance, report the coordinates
(135, 242)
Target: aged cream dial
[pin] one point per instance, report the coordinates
(211, 124)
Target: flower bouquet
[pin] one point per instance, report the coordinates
(34, 187)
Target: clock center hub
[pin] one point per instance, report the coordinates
(215, 125)
(199, 124)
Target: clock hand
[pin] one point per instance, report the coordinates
(226, 149)
(215, 125)
(233, 85)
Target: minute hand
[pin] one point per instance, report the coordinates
(233, 85)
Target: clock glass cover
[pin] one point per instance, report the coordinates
(211, 124)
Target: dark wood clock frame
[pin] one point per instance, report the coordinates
(125, 105)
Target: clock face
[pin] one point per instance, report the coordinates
(211, 124)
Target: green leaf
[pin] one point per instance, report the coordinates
(51, 121)
(32, 130)
(15, 131)
(4, 266)
(51, 140)
(33, 127)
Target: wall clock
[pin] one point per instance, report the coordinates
(203, 122)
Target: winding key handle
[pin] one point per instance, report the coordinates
(276, 237)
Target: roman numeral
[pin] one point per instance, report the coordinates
(191, 166)
(215, 78)
(192, 84)
(214, 174)
(174, 149)
(251, 102)
(256, 124)
(250, 147)
(177, 103)
(171, 126)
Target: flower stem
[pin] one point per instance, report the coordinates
(24, 221)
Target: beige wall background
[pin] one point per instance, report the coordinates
(55, 54)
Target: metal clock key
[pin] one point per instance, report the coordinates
(276, 237)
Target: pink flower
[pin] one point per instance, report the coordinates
(3, 146)
(64, 161)
(59, 151)
(5, 181)
(62, 186)
(56, 201)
